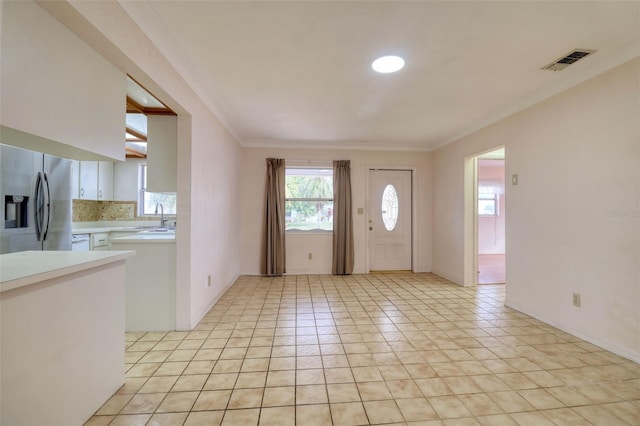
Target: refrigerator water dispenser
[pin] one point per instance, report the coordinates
(16, 211)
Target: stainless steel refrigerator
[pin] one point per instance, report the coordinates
(35, 191)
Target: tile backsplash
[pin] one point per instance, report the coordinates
(92, 211)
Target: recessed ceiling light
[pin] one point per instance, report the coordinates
(388, 64)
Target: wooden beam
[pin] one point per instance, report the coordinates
(166, 108)
(134, 107)
(132, 153)
(158, 111)
(140, 136)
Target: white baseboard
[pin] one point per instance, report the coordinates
(214, 301)
(447, 278)
(609, 346)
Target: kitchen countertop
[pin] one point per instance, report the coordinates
(90, 230)
(113, 226)
(111, 229)
(30, 267)
(151, 237)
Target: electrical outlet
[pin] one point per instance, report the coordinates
(310, 256)
(576, 299)
(209, 281)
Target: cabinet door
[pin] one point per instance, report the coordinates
(100, 241)
(75, 179)
(105, 180)
(88, 180)
(162, 149)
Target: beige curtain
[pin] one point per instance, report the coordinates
(342, 219)
(273, 253)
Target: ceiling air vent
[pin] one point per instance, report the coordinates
(565, 61)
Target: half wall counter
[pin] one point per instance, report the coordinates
(62, 334)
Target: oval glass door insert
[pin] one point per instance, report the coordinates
(389, 207)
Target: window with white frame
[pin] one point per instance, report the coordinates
(148, 201)
(488, 199)
(309, 199)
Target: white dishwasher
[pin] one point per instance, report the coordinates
(80, 242)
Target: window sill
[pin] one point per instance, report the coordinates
(309, 231)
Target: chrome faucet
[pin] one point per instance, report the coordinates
(162, 219)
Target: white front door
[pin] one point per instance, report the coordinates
(389, 221)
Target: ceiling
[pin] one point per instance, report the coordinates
(297, 73)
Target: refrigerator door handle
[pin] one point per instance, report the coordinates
(39, 206)
(47, 204)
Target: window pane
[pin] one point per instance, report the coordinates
(309, 183)
(168, 202)
(309, 215)
(389, 207)
(487, 207)
(137, 122)
(487, 191)
(144, 176)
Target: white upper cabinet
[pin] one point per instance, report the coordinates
(88, 180)
(75, 179)
(45, 66)
(96, 180)
(162, 152)
(105, 180)
(126, 177)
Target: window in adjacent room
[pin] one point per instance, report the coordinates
(147, 201)
(488, 200)
(309, 199)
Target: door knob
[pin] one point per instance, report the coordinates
(371, 228)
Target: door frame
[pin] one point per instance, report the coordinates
(414, 192)
(471, 220)
(471, 229)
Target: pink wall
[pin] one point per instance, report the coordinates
(491, 237)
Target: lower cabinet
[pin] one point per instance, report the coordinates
(150, 285)
(100, 241)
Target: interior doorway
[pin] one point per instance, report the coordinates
(484, 218)
(390, 220)
(490, 223)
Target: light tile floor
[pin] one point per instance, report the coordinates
(370, 349)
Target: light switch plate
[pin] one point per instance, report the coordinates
(514, 179)
(360, 210)
(576, 300)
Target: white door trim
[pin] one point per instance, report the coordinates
(471, 243)
(414, 194)
(470, 221)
